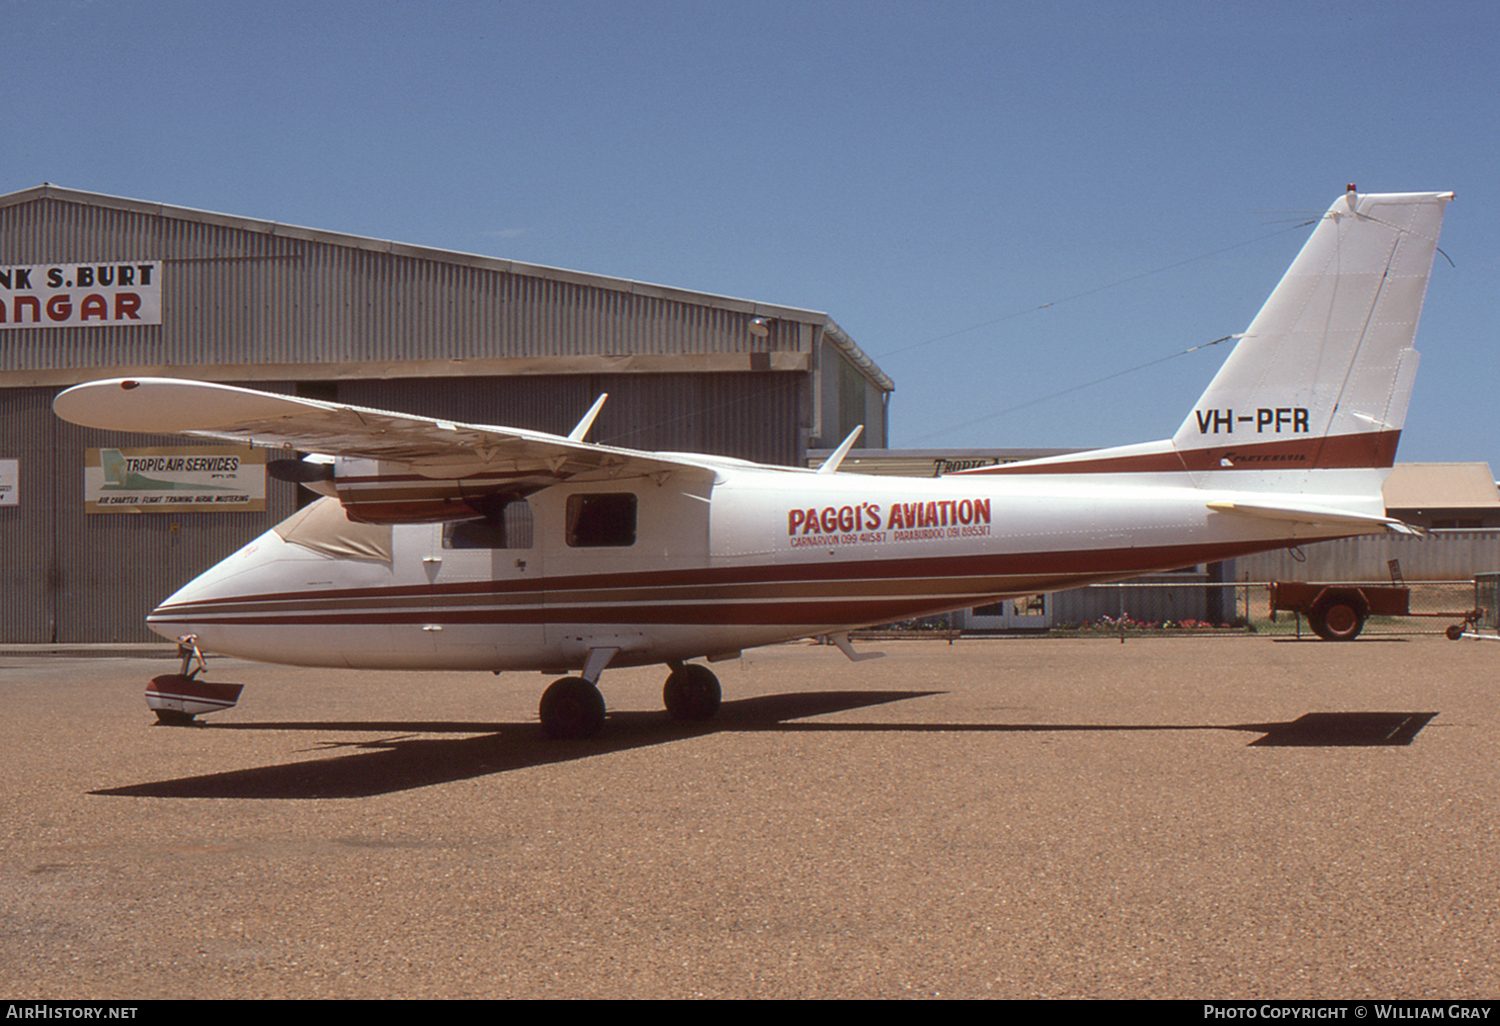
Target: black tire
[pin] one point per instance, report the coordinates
(1337, 619)
(174, 718)
(1455, 631)
(571, 708)
(692, 693)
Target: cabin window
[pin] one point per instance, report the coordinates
(601, 521)
(508, 528)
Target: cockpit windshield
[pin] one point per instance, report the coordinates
(323, 527)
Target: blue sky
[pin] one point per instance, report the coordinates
(1000, 202)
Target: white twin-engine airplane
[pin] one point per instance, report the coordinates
(465, 547)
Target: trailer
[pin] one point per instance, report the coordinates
(1337, 612)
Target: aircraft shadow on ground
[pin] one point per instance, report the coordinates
(411, 759)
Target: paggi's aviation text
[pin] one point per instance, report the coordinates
(868, 522)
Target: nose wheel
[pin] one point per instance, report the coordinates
(177, 698)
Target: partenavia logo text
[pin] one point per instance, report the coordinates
(80, 295)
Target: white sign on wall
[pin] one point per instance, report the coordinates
(10, 482)
(92, 295)
(175, 479)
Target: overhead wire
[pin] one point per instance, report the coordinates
(1079, 295)
(1074, 388)
(1095, 290)
(1299, 224)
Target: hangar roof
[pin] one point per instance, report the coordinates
(815, 319)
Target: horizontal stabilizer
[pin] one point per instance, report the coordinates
(1314, 515)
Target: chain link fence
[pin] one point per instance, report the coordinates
(1179, 606)
(1243, 606)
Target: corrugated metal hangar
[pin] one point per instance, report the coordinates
(96, 286)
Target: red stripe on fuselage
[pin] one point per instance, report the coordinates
(546, 600)
(1375, 449)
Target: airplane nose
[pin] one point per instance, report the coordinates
(156, 620)
(205, 604)
(274, 599)
(188, 609)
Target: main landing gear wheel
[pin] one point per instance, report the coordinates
(572, 708)
(691, 692)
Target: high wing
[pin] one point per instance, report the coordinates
(395, 467)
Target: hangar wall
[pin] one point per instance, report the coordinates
(362, 321)
(73, 577)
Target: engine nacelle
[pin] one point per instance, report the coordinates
(383, 492)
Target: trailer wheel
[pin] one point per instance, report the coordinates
(1336, 619)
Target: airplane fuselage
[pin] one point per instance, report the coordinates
(664, 572)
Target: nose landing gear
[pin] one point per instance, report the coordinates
(178, 697)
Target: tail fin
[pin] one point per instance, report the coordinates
(1322, 377)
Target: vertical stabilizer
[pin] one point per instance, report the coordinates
(1322, 377)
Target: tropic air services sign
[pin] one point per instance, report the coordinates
(92, 295)
(175, 479)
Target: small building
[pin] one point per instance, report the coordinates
(1443, 496)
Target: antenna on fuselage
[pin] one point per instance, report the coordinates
(582, 427)
(832, 463)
